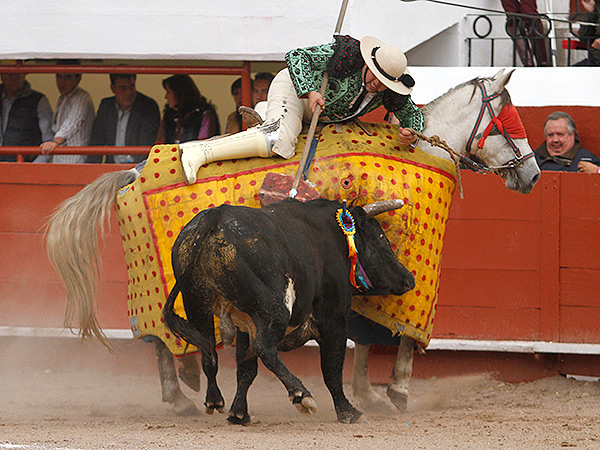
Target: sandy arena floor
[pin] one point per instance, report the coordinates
(99, 408)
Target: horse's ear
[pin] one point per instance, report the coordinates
(498, 74)
(500, 80)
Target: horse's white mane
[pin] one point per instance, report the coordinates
(451, 115)
(426, 109)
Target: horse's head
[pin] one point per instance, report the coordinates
(498, 142)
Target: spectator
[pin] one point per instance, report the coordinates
(562, 150)
(234, 120)
(129, 118)
(526, 33)
(73, 118)
(590, 35)
(260, 87)
(26, 114)
(188, 116)
(260, 90)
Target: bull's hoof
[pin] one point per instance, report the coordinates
(210, 407)
(239, 418)
(351, 416)
(398, 399)
(185, 407)
(304, 404)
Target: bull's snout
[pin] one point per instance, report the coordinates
(409, 282)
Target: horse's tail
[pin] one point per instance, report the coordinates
(72, 247)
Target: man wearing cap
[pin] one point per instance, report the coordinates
(363, 75)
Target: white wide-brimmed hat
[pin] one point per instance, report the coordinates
(388, 64)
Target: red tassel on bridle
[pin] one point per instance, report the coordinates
(508, 123)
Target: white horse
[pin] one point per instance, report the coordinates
(476, 119)
(453, 116)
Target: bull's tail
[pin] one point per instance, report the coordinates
(177, 324)
(72, 247)
(180, 326)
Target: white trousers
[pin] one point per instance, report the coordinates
(283, 102)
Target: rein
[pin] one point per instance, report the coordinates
(507, 119)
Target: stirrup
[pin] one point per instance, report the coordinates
(250, 117)
(270, 129)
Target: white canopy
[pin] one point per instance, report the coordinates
(201, 29)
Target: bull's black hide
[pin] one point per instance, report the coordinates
(280, 276)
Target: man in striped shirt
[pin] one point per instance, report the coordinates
(73, 118)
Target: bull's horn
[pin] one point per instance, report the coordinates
(372, 209)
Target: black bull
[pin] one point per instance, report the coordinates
(280, 275)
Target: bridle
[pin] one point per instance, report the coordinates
(508, 116)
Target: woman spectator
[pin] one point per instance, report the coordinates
(188, 116)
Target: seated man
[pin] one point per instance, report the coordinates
(260, 92)
(234, 120)
(129, 118)
(590, 35)
(72, 120)
(562, 150)
(26, 115)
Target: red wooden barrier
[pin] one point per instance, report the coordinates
(515, 266)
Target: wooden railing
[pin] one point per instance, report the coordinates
(514, 267)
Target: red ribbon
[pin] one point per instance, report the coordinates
(508, 123)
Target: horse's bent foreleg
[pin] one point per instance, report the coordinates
(189, 371)
(171, 392)
(363, 392)
(397, 391)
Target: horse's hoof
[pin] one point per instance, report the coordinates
(239, 419)
(186, 409)
(371, 401)
(398, 399)
(351, 416)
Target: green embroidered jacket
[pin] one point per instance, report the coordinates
(306, 67)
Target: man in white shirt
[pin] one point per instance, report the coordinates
(73, 118)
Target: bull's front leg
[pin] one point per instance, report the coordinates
(397, 391)
(171, 392)
(332, 343)
(247, 368)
